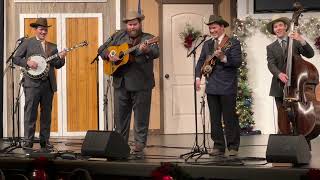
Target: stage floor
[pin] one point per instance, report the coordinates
(250, 163)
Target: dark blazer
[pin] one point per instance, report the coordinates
(137, 74)
(277, 62)
(31, 47)
(223, 80)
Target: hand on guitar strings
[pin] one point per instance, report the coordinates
(112, 57)
(219, 53)
(32, 64)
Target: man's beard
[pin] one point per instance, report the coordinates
(134, 33)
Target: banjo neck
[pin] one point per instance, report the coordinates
(52, 57)
(84, 43)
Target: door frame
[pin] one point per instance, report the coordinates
(61, 73)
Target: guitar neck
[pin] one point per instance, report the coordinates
(132, 49)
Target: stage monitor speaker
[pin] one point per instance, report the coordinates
(105, 144)
(288, 149)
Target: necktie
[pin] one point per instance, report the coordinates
(216, 44)
(284, 46)
(43, 45)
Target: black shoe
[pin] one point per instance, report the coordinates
(49, 145)
(46, 145)
(27, 145)
(216, 152)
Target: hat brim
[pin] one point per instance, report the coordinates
(282, 19)
(35, 25)
(220, 22)
(141, 17)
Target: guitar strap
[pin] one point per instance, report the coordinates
(224, 41)
(134, 42)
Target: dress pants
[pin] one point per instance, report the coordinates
(124, 102)
(223, 107)
(34, 96)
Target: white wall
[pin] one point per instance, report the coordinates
(264, 108)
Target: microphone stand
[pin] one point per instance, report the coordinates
(15, 108)
(96, 59)
(196, 151)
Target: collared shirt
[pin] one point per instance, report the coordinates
(43, 43)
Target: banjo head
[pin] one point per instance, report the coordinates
(42, 65)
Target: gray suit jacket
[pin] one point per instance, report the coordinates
(224, 77)
(277, 63)
(138, 74)
(31, 47)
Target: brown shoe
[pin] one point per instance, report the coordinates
(233, 152)
(216, 152)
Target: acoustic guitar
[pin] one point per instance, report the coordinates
(123, 52)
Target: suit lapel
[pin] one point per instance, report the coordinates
(278, 49)
(210, 46)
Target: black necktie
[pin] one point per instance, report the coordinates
(284, 46)
(216, 44)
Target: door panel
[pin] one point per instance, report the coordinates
(82, 107)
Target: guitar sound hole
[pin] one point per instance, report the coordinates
(120, 57)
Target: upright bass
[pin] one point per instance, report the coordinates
(299, 92)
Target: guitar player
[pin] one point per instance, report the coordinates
(38, 91)
(133, 82)
(221, 87)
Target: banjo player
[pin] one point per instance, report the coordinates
(38, 91)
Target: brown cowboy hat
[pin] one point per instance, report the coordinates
(275, 19)
(131, 15)
(40, 22)
(214, 19)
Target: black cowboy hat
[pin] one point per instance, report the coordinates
(40, 22)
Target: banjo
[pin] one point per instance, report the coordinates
(43, 63)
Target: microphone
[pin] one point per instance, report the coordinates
(20, 40)
(105, 44)
(205, 35)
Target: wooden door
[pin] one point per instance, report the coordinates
(178, 70)
(81, 76)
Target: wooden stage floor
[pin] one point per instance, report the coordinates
(250, 163)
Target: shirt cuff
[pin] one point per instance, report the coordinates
(197, 78)
(224, 60)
